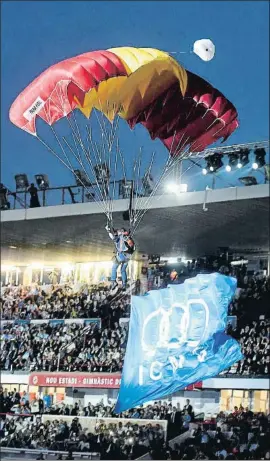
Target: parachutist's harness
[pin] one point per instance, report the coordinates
(124, 244)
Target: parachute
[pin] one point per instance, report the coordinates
(142, 86)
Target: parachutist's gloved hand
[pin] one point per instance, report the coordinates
(107, 227)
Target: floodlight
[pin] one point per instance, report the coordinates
(22, 183)
(81, 178)
(176, 188)
(172, 187)
(213, 163)
(243, 158)
(228, 168)
(42, 181)
(102, 172)
(233, 160)
(148, 183)
(183, 187)
(125, 188)
(260, 157)
(90, 197)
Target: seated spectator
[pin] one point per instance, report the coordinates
(67, 347)
(73, 348)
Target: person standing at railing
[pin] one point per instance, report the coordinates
(4, 203)
(34, 200)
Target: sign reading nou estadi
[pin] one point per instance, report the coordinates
(95, 380)
(86, 380)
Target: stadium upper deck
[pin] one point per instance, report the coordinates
(190, 224)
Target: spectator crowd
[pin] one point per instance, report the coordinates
(14, 403)
(75, 347)
(65, 347)
(99, 346)
(112, 440)
(239, 435)
(61, 302)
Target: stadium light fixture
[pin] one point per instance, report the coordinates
(228, 168)
(255, 166)
(243, 158)
(213, 163)
(81, 179)
(233, 160)
(171, 187)
(175, 188)
(259, 157)
(42, 181)
(22, 182)
(204, 171)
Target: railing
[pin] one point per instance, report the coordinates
(61, 196)
(48, 454)
(227, 149)
(67, 195)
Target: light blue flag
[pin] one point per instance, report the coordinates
(176, 338)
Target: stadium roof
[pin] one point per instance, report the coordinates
(192, 224)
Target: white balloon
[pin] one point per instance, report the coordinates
(204, 48)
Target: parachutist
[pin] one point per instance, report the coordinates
(125, 248)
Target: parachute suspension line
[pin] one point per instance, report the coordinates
(140, 194)
(64, 163)
(58, 141)
(96, 154)
(163, 193)
(108, 153)
(101, 153)
(136, 185)
(102, 123)
(68, 163)
(146, 204)
(136, 165)
(60, 97)
(123, 164)
(100, 201)
(100, 178)
(100, 198)
(169, 164)
(108, 138)
(114, 182)
(88, 157)
(114, 130)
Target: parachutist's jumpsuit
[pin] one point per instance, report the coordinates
(123, 255)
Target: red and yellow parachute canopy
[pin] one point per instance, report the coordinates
(141, 85)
